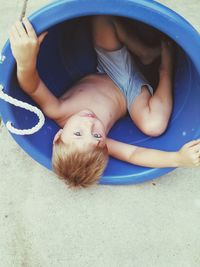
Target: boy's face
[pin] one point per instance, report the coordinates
(83, 128)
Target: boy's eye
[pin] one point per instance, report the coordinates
(77, 133)
(97, 135)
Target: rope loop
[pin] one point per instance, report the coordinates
(25, 106)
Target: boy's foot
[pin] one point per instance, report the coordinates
(150, 54)
(167, 57)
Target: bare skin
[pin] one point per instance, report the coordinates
(86, 115)
(150, 113)
(111, 35)
(106, 94)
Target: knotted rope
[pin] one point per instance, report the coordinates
(26, 106)
(22, 104)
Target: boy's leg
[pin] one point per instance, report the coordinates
(151, 113)
(104, 33)
(136, 46)
(110, 34)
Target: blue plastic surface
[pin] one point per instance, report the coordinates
(67, 54)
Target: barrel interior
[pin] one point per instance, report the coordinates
(67, 54)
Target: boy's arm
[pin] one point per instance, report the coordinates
(25, 46)
(187, 156)
(31, 83)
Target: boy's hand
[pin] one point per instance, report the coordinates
(189, 154)
(25, 44)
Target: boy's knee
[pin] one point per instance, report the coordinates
(101, 22)
(102, 18)
(104, 34)
(154, 128)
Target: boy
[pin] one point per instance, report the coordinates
(85, 115)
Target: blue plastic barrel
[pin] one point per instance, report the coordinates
(67, 55)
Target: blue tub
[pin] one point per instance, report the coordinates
(67, 54)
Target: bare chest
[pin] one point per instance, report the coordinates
(96, 92)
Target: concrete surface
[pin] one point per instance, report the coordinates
(42, 223)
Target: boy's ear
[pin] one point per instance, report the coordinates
(57, 136)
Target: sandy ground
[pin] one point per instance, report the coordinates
(42, 223)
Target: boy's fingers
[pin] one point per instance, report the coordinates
(11, 36)
(193, 143)
(20, 29)
(29, 28)
(196, 148)
(42, 36)
(15, 33)
(12, 39)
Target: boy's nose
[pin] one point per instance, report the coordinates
(88, 124)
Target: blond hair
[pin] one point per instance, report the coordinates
(79, 168)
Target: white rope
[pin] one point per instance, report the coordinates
(26, 106)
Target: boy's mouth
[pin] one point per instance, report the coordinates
(89, 114)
